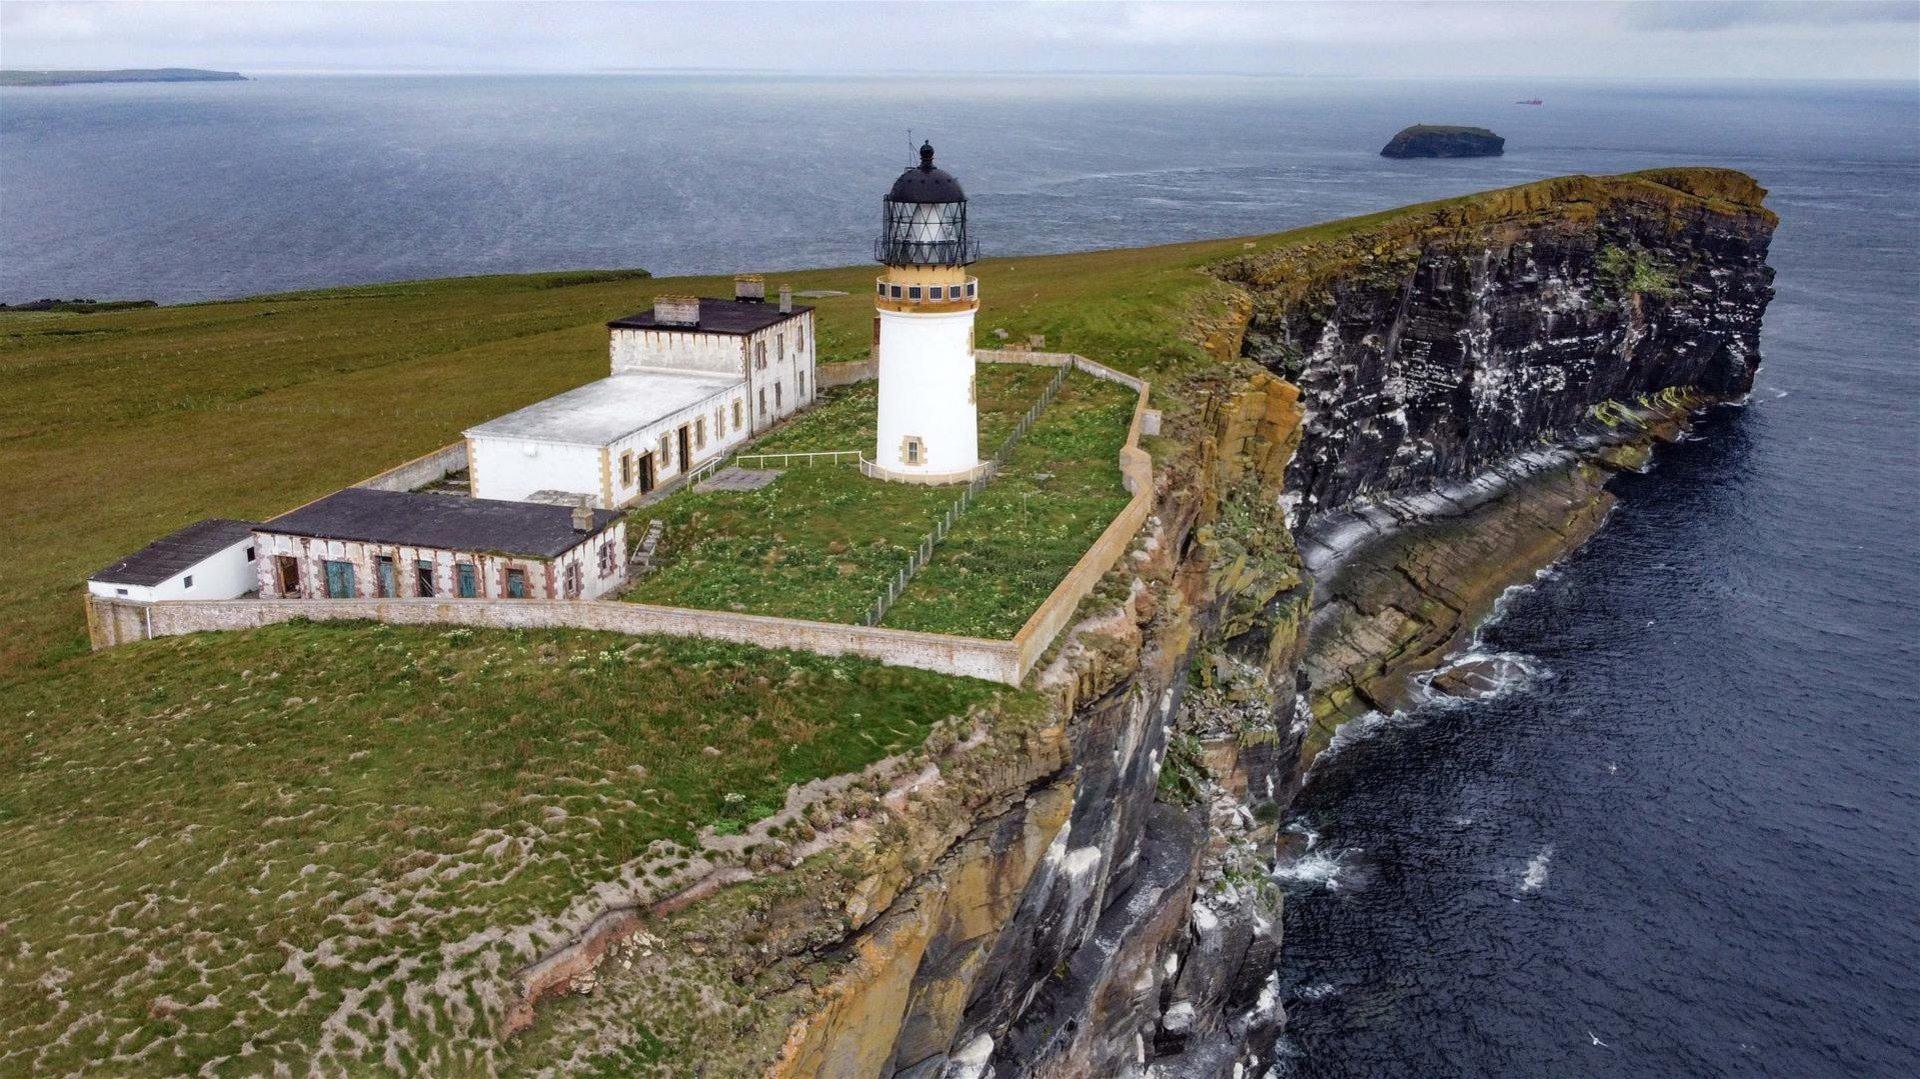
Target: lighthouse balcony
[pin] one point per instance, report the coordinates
(894, 295)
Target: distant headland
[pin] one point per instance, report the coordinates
(1440, 140)
(130, 74)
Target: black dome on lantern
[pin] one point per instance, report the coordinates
(924, 183)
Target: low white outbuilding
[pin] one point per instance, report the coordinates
(612, 441)
(362, 543)
(211, 559)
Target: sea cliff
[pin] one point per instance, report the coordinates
(1396, 423)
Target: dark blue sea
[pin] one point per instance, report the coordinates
(1684, 841)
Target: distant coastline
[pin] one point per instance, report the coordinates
(136, 74)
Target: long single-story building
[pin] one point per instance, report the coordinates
(691, 379)
(211, 559)
(364, 543)
(613, 440)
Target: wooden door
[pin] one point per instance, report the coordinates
(646, 472)
(686, 448)
(286, 570)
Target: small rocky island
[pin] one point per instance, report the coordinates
(141, 74)
(1442, 140)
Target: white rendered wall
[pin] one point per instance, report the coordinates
(674, 350)
(513, 468)
(225, 574)
(927, 391)
(722, 434)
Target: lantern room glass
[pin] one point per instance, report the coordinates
(925, 234)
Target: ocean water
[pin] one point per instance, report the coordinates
(1683, 842)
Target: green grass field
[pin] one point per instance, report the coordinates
(822, 540)
(211, 844)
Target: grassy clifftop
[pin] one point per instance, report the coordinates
(122, 426)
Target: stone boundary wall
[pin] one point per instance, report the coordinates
(828, 376)
(974, 657)
(421, 470)
(113, 621)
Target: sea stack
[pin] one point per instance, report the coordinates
(1441, 140)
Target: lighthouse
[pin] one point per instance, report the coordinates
(929, 428)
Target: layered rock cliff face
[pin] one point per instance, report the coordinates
(1398, 423)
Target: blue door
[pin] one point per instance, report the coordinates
(517, 583)
(339, 580)
(467, 581)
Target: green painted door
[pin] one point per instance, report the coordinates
(339, 579)
(468, 583)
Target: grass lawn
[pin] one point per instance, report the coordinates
(212, 844)
(822, 541)
(1057, 492)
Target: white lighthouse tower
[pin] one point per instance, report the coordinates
(928, 426)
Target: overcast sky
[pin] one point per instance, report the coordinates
(1626, 40)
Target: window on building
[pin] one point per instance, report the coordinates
(609, 561)
(896, 292)
(249, 554)
(700, 433)
(719, 423)
(469, 580)
(339, 579)
(760, 355)
(971, 286)
(423, 579)
(803, 385)
(912, 450)
(626, 469)
(763, 400)
(913, 292)
(517, 584)
(666, 450)
(880, 287)
(188, 583)
(777, 403)
(935, 292)
(780, 347)
(737, 421)
(570, 580)
(119, 591)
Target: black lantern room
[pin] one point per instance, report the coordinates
(925, 222)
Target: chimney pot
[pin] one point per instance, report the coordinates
(786, 299)
(750, 287)
(583, 516)
(676, 310)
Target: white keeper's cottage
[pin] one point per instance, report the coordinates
(691, 379)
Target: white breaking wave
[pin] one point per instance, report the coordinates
(1536, 874)
(1314, 867)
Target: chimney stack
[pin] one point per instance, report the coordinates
(750, 287)
(583, 515)
(786, 299)
(676, 310)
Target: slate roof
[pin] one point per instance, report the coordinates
(717, 316)
(443, 522)
(599, 413)
(164, 557)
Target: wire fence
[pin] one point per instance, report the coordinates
(923, 552)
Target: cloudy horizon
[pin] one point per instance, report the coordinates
(1750, 40)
